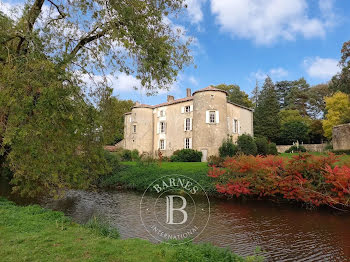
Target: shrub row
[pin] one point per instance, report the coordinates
(247, 145)
(307, 178)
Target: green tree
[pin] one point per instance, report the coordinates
(293, 95)
(50, 130)
(316, 132)
(341, 81)
(246, 145)
(338, 112)
(293, 131)
(266, 117)
(235, 95)
(112, 118)
(316, 102)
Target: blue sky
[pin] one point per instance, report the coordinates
(241, 41)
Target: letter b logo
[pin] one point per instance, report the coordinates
(170, 209)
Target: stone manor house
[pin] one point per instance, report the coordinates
(200, 121)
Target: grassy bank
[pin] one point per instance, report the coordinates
(137, 176)
(32, 233)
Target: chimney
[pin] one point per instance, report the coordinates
(188, 92)
(170, 98)
(137, 103)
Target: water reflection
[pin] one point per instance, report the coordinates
(284, 233)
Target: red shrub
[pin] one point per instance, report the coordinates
(307, 178)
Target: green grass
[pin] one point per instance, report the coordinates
(137, 176)
(32, 233)
(343, 158)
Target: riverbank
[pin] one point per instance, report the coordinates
(32, 233)
(137, 176)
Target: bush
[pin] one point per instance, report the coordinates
(262, 145)
(228, 148)
(246, 145)
(340, 152)
(135, 155)
(272, 149)
(316, 180)
(294, 149)
(186, 155)
(328, 147)
(113, 161)
(215, 161)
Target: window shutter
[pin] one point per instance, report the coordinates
(184, 143)
(164, 144)
(158, 128)
(165, 126)
(190, 123)
(185, 124)
(158, 113)
(182, 110)
(191, 108)
(190, 142)
(207, 117)
(217, 116)
(239, 127)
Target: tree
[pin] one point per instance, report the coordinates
(50, 130)
(341, 81)
(338, 112)
(235, 95)
(293, 95)
(289, 115)
(316, 132)
(316, 102)
(293, 131)
(266, 118)
(112, 118)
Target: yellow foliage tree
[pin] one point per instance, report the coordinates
(338, 112)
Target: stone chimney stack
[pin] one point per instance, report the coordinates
(188, 92)
(170, 98)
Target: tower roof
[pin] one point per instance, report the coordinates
(210, 88)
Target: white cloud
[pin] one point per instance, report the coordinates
(193, 80)
(266, 22)
(322, 68)
(275, 73)
(194, 10)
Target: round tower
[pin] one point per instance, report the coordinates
(209, 120)
(141, 129)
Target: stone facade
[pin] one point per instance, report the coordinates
(200, 121)
(308, 147)
(341, 137)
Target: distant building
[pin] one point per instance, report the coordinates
(200, 121)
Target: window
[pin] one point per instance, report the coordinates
(211, 117)
(235, 126)
(162, 127)
(188, 124)
(187, 109)
(187, 143)
(161, 113)
(134, 128)
(162, 144)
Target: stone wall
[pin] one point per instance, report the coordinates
(341, 137)
(309, 147)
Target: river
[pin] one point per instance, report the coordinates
(284, 233)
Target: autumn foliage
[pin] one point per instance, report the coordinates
(317, 180)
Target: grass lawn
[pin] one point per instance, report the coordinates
(32, 233)
(343, 158)
(137, 176)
